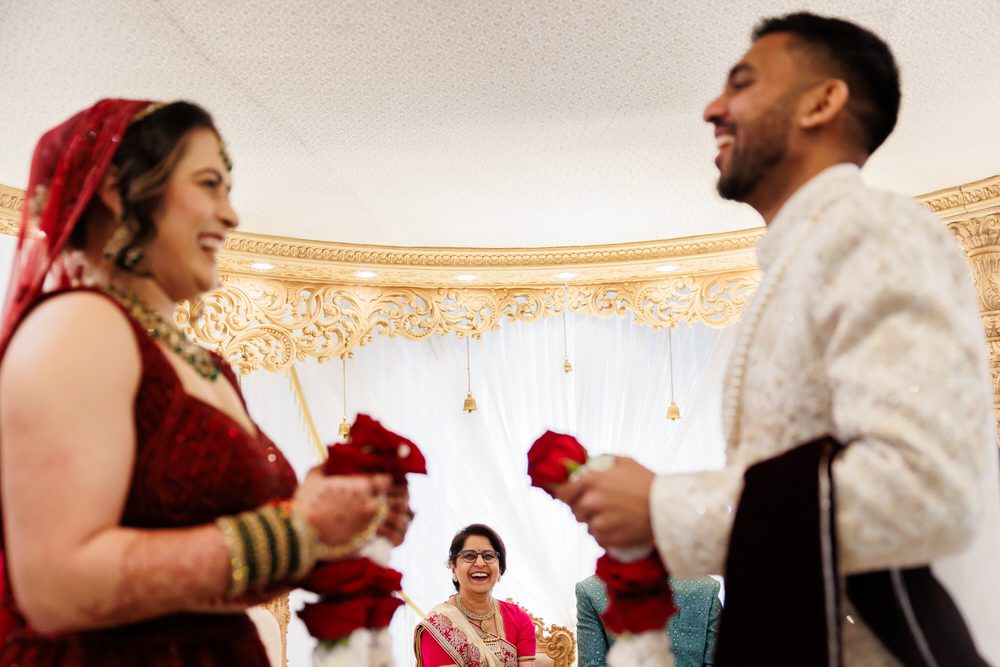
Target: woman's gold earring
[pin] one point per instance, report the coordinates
(121, 237)
(133, 256)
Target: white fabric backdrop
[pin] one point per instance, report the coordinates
(8, 244)
(615, 401)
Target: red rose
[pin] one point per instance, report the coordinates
(639, 594)
(333, 620)
(358, 576)
(372, 448)
(635, 578)
(328, 621)
(346, 459)
(382, 610)
(552, 458)
(637, 615)
(368, 431)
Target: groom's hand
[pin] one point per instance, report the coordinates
(613, 503)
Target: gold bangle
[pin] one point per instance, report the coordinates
(285, 511)
(238, 570)
(261, 549)
(306, 540)
(327, 552)
(282, 550)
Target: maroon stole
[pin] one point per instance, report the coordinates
(783, 582)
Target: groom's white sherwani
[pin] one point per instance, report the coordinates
(866, 328)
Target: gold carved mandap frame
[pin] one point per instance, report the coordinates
(282, 299)
(285, 299)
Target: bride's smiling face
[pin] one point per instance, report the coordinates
(193, 219)
(477, 576)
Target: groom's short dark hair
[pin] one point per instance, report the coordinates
(855, 55)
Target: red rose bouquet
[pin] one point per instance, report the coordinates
(553, 458)
(357, 593)
(357, 599)
(640, 601)
(372, 448)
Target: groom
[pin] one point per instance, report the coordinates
(858, 407)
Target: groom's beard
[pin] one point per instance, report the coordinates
(757, 150)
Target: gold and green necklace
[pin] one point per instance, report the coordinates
(167, 332)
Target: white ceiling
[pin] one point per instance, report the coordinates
(479, 123)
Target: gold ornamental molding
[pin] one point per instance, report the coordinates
(11, 201)
(262, 256)
(972, 199)
(269, 324)
(285, 299)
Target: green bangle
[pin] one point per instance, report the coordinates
(250, 552)
(278, 539)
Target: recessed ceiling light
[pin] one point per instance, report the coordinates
(262, 266)
(668, 268)
(365, 274)
(565, 275)
(466, 277)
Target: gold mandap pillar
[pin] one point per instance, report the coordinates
(972, 213)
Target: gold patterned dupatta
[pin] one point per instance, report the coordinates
(468, 645)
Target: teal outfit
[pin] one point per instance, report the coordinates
(692, 630)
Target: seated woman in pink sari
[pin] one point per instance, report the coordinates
(472, 629)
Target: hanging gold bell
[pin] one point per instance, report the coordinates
(567, 367)
(345, 428)
(470, 403)
(673, 412)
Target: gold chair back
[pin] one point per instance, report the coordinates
(556, 644)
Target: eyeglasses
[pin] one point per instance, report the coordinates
(470, 556)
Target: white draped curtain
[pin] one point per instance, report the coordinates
(8, 244)
(615, 401)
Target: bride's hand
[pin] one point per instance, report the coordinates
(398, 519)
(340, 507)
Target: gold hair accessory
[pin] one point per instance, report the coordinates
(146, 111)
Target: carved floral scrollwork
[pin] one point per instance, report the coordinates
(991, 322)
(556, 641)
(270, 324)
(713, 300)
(560, 645)
(986, 275)
(976, 234)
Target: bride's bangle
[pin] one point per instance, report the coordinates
(276, 543)
(267, 545)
